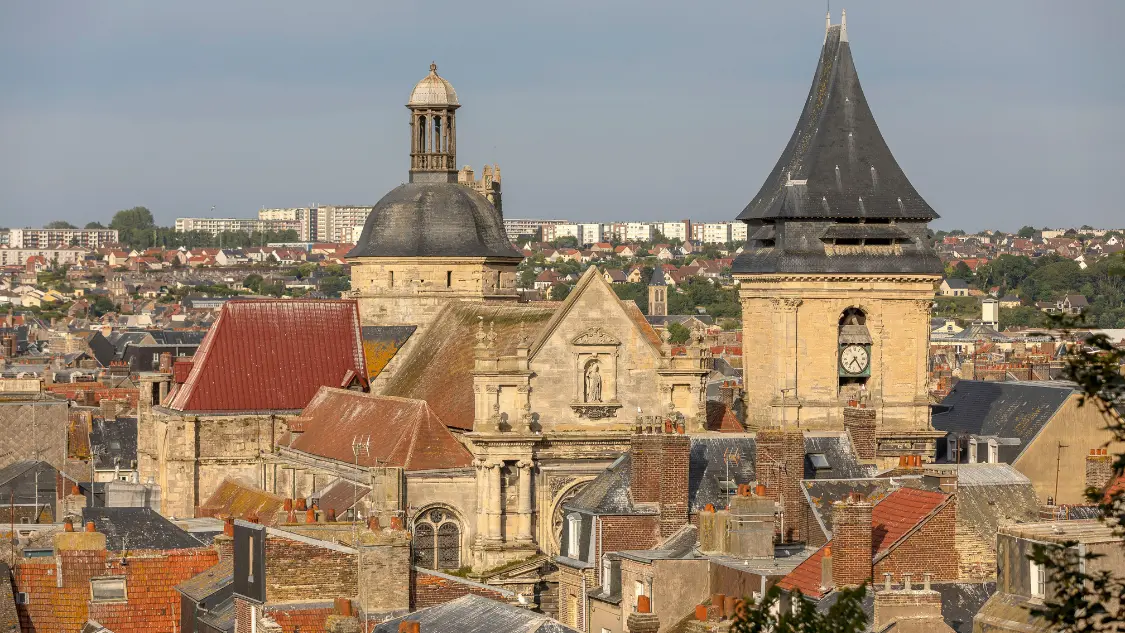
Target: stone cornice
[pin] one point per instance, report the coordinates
(836, 277)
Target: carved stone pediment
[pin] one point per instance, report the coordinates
(595, 336)
(596, 410)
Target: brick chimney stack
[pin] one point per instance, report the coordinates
(1099, 468)
(780, 465)
(917, 605)
(659, 473)
(860, 425)
(851, 542)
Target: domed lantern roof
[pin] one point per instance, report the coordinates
(433, 90)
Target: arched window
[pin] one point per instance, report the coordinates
(437, 540)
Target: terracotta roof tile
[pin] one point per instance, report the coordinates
(255, 346)
(234, 498)
(891, 519)
(403, 432)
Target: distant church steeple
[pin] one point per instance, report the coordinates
(657, 293)
(433, 130)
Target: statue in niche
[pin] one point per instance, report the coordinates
(593, 382)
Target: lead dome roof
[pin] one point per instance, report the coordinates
(434, 219)
(433, 90)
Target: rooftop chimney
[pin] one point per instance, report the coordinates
(408, 627)
(1099, 468)
(851, 542)
(751, 526)
(643, 620)
(908, 603)
(779, 464)
(659, 473)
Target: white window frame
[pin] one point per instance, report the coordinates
(573, 537)
(993, 452)
(972, 450)
(1037, 576)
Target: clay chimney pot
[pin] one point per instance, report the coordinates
(90, 526)
(68, 526)
(310, 516)
(408, 627)
(373, 524)
(228, 526)
(396, 523)
(332, 514)
(701, 612)
(301, 505)
(343, 607)
(288, 505)
(643, 605)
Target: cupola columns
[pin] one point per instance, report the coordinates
(433, 130)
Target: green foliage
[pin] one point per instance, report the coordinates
(637, 293)
(100, 306)
(1050, 277)
(60, 224)
(333, 285)
(1028, 232)
(94, 225)
(1023, 316)
(719, 302)
(559, 292)
(253, 282)
(567, 241)
(845, 616)
(961, 270)
(964, 308)
(679, 334)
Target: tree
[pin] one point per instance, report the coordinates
(1028, 232)
(845, 616)
(253, 283)
(94, 225)
(60, 224)
(679, 334)
(961, 270)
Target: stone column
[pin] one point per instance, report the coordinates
(482, 498)
(524, 533)
(785, 311)
(494, 511)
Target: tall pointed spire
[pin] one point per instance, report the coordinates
(844, 25)
(827, 24)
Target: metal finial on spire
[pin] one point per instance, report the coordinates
(433, 68)
(844, 25)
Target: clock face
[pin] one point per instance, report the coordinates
(854, 359)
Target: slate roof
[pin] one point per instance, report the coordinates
(1014, 409)
(117, 441)
(18, 478)
(199, 587)
(992, 495)
(713, 458)
(381, 343)
(437, 369)
(403, 432)
(474, 614)
(138, 529)
(891, 519)
(836, 166)
(434, 219)
(340, 495)
(236, 499)
(257, 345)
(657, 278)
(960, 602)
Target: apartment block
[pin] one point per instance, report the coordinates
(44, 238)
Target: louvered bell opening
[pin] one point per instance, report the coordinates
(854, 335)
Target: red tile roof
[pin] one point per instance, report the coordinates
(720, 418)
(891, 519)
(404, 432)
(272, 354)
(236, 499)
(150, 576)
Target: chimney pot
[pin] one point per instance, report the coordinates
(643, 605)
(373, 524)
(343, 606)
(906, 582)
(719, 601)
(396, 523)
(408, 627)
(228, 526)
(90, 526)
(331, 514)
(701, 612)
(926, 576)
(288, 505)
(253, 518)
(760, 490)
(310, 516)
(301, 505)
(710, 507)
(68, 525)
(887, 580)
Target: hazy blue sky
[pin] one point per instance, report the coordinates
(1002, 113)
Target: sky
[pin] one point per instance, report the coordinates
(1002, 113)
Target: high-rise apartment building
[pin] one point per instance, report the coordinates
(44, 238)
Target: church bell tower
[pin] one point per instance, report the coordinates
(433, 130)
(839, 274)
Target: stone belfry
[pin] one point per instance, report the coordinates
(433, 130)
(839, 273)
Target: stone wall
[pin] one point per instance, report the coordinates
(299, 570)
(791, 323)
(628, 371)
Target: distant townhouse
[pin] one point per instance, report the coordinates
(517, 227)
(954, 288)
(214, 226)
(53, 256)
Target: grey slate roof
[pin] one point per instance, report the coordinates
(138, 528)
(960, 602)
(116, 441)
(991, 495)
(440, 219)
(836, 167)
(474, 614)
(1014, 410)
(657, 278)
(215, 579)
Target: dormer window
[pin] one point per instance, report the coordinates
(573, 528)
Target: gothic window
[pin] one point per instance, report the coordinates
(437, 540)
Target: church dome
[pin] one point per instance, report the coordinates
(433, 90)
(434, 219)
